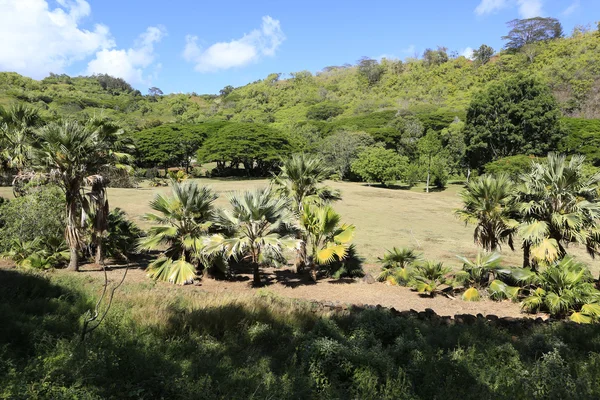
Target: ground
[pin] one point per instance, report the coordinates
(384, 218)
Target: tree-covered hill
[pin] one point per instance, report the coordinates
(439, 81)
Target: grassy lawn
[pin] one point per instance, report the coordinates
(383, 217)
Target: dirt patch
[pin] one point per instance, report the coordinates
(284, 282)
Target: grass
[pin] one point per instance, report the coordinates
(383, 217)
(163, 343)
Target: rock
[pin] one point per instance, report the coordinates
(492, 317)
(430, 313)
(465, 318)
(368, 279)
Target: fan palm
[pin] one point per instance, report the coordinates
(70, 152)
(563, 288)
(255, 229)
(395, 265)
(17, 126)
(559, 205)
(481, 273)
(488, 203)
(183, 220)
(327, 237)
(429, 276)
(300, 180)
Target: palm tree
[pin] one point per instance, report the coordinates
(300, 180)
(395, 264)
(255, 229)
(559, 205)
(70, 152)
(328, 239)
(488, 203)
(183, 221)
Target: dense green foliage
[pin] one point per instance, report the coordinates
(376, 164)
(197, 346)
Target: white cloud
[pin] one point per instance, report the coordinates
(129, 64)
(467, 53)
(490, 6)
(37, 40)
(530, 8)
(526, 8)
(572, 8)
(238, 52)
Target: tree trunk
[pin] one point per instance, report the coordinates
(99, 257)
(428, 174)
(300, 262)
(468, 174)
(256, 274)
(72, 232)
(526, 255)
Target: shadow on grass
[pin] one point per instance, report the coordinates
(270, 347)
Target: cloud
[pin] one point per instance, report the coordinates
(526, 8)
(467, 53)
(572, 8)
(235, 53)
(490, 6)
(37, 40)
(530, 8)
(129, 64)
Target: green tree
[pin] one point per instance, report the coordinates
(370, 70)
(435, 57)
(258, 147)
(377, 164)
(255, 228)
(342, 148)
(488, 202)
(483, 54)
(17, 127)
(183, 221)
(324, 111)
(429, 146)
(531, 30)
(514, 116)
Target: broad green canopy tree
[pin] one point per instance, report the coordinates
(514, 116)
(258, 147)
(531, 30)
(377, 164)
(172, 145)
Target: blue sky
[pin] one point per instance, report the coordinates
(202, 46)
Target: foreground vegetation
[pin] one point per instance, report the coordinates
(159, 343)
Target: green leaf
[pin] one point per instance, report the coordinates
(591, 309)
(580, 318)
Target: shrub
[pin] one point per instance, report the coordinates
(324, 111)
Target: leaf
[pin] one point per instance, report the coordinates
(580, 318)
(471, 294)
(327, 255)
(591, 309)
(346, 235)
(181, 272)
(546, 250)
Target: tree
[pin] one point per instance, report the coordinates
(328, 239)
(226, 91)
(17, 126)
(559, 205)
(488, 202)
(395, 265)
(72, 152)
(183, 220)
(258, 147)
(453, 142)
(324, 111)
(301, 181)
(435, 57)
(342, 148)
(518, 115)
(430, 146)
(171, 145)
(370, 70)
(154, 91)
(254, 229)
(483, 54)
(377, 164)
(531, 30)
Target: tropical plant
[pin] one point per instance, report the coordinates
(183, 221)
(488, 203)
(482, 274)
(328, 239)
(301, 181)
(429, 276)
(255, 228)
(396, 266)
(564, 289)
(559, 204)
(17, 126)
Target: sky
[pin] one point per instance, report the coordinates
(202, 46)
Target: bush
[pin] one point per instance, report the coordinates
(122, 235)
(324, 111)
(439, 173)
(37, 215)
(414, 175)
(512, 166)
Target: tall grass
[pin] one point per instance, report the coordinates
(163, 343)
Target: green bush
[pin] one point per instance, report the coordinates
(35, 216)
(512, 166)
(324, 111)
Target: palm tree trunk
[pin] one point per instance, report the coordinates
(99, 257)
(300, 262)
(526, 254)
(256, 271)
(72, 232)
